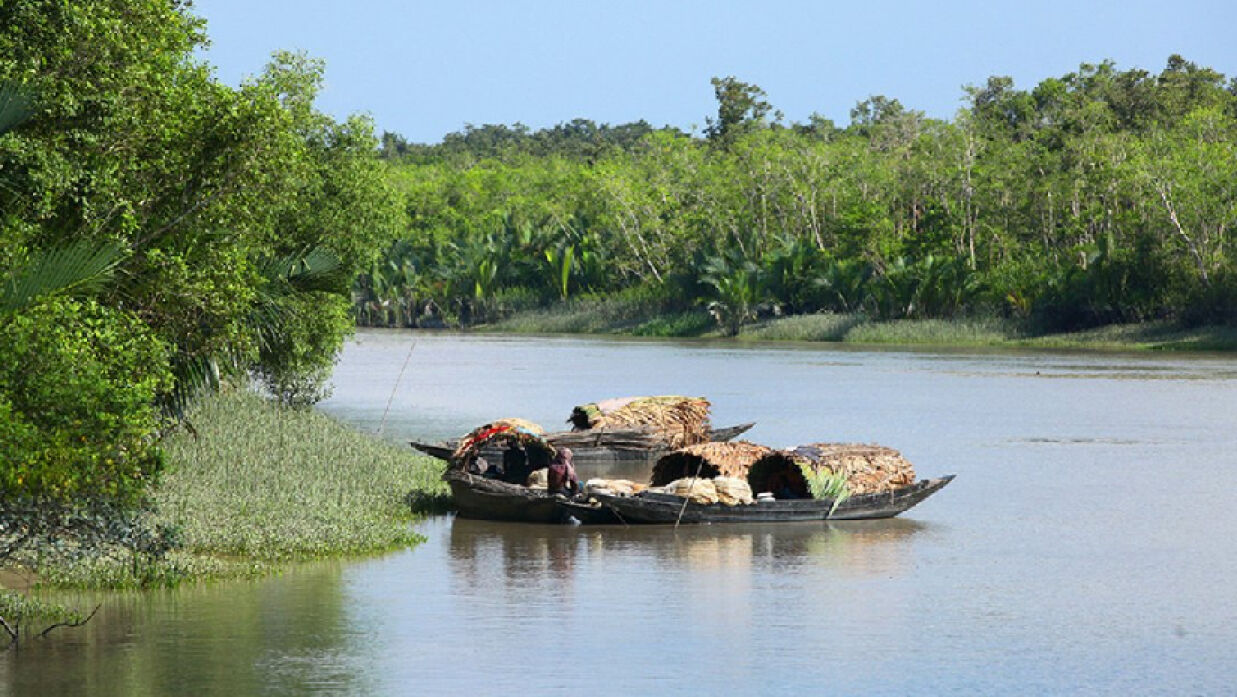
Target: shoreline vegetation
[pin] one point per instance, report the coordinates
(252, 487)
(611, 317)
(255, 485)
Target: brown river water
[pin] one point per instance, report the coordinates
(1088, 545)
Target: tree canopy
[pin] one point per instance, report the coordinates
(1098, 196)
(232, 220)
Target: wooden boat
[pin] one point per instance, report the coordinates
(657, 508)
(492, 499)
(478, 496)
(881, 481)
(596, 446)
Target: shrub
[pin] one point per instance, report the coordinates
(78, 383)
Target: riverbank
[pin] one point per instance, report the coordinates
(614, 318)
(252, 486)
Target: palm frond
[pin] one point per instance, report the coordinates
(315, 269)
(192, 376)
(81, 267)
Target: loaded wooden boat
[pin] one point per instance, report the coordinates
(878, 483)
(625, 429)
(605, 445)
(656, 508)
(476, 495)
(493, 499)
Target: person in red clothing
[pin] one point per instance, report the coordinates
(562, 474)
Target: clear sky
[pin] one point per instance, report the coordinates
(424, 69)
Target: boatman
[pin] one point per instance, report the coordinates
(562, 474)
(515, 463)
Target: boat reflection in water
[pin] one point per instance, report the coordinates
(493, 559)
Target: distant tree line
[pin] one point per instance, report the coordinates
(1100, 196)
(579, 139)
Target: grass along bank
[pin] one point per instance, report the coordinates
(260, 485)
(612, 316)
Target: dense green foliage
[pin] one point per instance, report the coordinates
(84, 421)
(1101, 196)
(206, 230)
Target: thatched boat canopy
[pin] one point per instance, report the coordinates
(708, 460)
(502, 431)
(868, 468)
(680, 420)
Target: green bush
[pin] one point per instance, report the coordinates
(78, 383)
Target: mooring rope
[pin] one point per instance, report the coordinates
(383, 424)
(687, 499)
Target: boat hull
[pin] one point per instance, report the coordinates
(491, 499)
(667, 509)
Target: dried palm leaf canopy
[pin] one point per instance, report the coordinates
(500, 432)
(681, 420)
(708, 460)
(868, 468)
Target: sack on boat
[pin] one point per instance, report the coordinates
(733, 491)
(613, 486)
(696, 490)
(539, 479)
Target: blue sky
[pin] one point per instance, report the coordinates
(424, 69)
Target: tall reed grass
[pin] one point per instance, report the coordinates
(261, 484)
(939, 332)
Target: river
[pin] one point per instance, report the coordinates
(1087, 546)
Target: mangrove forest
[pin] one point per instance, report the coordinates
(1101, 196)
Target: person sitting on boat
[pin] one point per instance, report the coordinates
(492, 470)
(477, 465)
(515, 463)
(563, 474)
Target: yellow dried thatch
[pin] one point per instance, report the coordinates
(868, 468)
(681, 420)
(708, 460)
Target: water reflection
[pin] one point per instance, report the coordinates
(229, 639)
(486, 556)
(490, 558)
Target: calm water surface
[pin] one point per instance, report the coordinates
(1088, 546)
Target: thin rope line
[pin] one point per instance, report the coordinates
(383, 423)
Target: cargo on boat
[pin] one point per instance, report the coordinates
(626, 429)
(872, 482)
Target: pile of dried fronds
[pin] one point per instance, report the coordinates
(708, 460)
(868, 468)
(680, 420)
